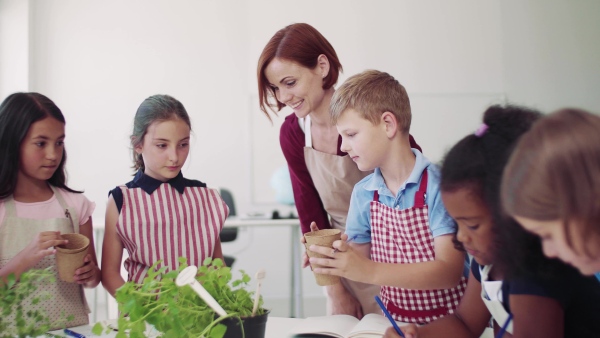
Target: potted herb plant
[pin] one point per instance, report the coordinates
(175, 311)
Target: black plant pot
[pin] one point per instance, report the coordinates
(254, 327)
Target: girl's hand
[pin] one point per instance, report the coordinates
(305, 263)
(89, 273)
(41, 246)
(410, 331)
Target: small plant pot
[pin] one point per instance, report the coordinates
(69, 257)
(323, 237)
(254, 327)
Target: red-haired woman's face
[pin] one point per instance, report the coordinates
(554, 242)
(474, 223)
(298, 87)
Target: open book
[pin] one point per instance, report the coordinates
(343, 326)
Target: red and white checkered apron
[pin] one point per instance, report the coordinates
(166, 225)
(404, 236)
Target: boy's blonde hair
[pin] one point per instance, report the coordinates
(371, 93)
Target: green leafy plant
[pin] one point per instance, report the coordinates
(14, 296)
(178, 311)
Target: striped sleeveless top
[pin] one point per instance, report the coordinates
(166, 224)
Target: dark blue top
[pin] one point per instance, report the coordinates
(149, 185)
(578, 295)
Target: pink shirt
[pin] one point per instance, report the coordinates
(51, 208)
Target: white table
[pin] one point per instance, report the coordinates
(277, 327)
(296, 306)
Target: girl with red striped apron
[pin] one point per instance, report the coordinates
(404, 237)
(166, 225)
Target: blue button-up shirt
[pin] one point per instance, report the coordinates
(358, 224)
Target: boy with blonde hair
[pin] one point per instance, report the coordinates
(398, 233)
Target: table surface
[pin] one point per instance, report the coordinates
(277, 327)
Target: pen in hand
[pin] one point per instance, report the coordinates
(389, 316)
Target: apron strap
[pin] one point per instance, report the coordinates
(484, 272)
(375, 196)
(9, 206)
(307, 135)
(422, 192)
(59, 197)
(69, 212)
(419, 195)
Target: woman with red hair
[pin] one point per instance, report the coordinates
(299, 68)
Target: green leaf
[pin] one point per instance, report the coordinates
(178, 311)
(97, 329)
(16, 298)
(11, 280)
(218, 331)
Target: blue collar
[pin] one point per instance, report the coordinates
(150, 184)
(378, 183)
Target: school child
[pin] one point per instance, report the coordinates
(160, 215)
(400, 231)
(552, 186)
(36, 205)
(510, 281)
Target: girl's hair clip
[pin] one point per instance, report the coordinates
(481, 130)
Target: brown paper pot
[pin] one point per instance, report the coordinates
(69, 257)
(324, 237)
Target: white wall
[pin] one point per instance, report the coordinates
(551, 53)
(99, 60)
(14, 46)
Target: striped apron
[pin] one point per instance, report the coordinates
(166, 225)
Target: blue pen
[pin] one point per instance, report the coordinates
(387, 314)
(504, 327)
(73, 334)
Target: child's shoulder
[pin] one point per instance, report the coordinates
(291, 133)
(433, 172)
(72, 196)
(367, 179)
(194, 183)
(84, 207)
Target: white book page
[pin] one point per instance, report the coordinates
(335, 326)
(372, 325)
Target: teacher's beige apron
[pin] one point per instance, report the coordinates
(334, 178)
(493, 302)
(65, 298)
